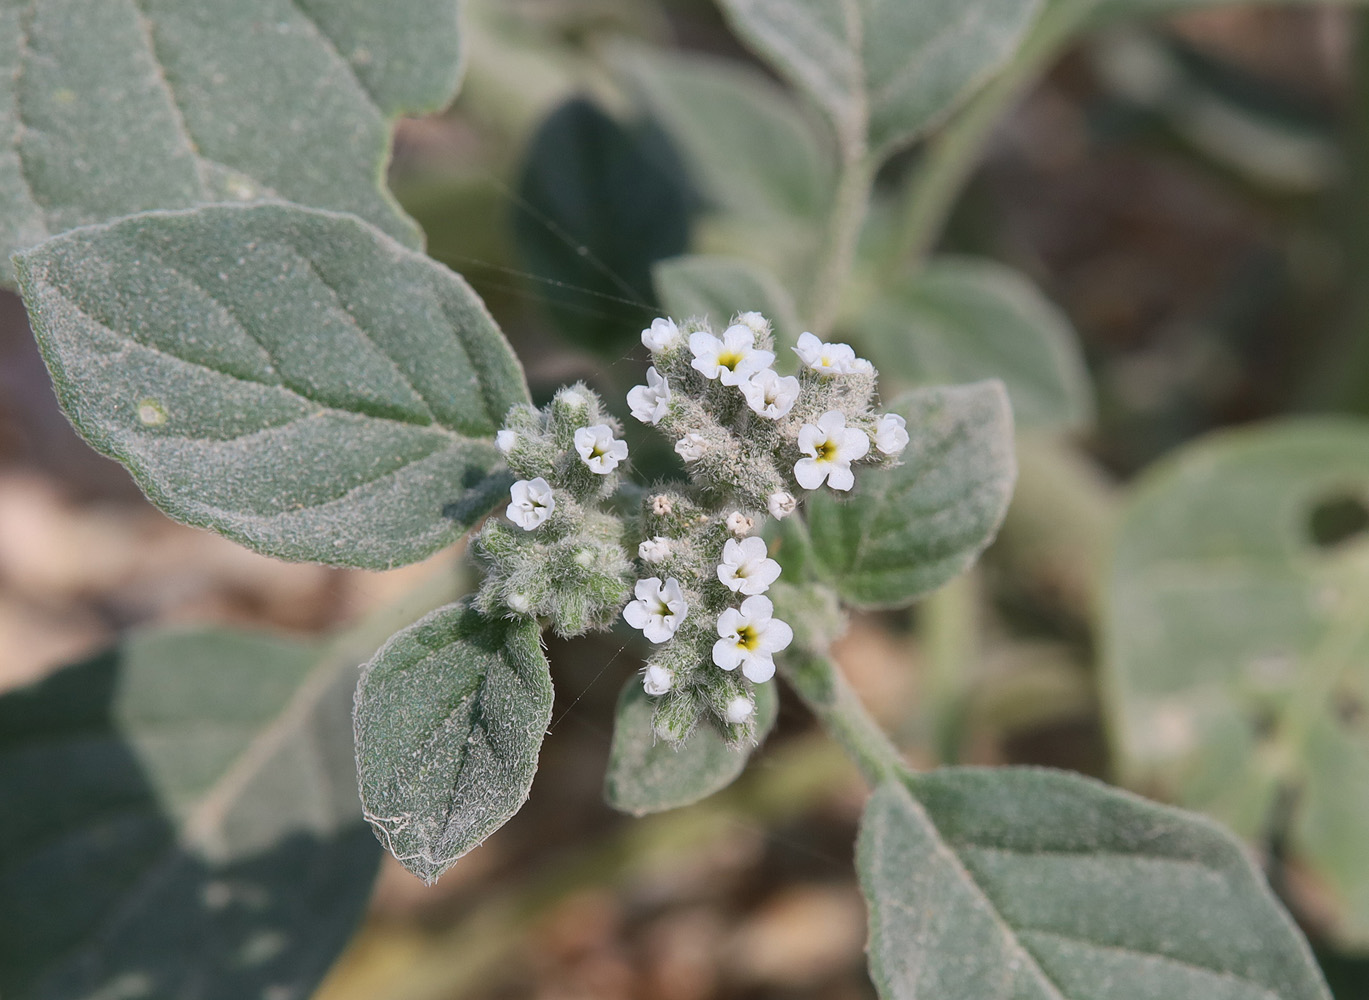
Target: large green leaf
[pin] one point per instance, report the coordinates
(1237, 645)
(962, 319)
(181, 821)
(1040, 885)
(1112, 10)
(647, 774)
(293, 379)
(449, 719)
(112, 107)
(884, 71)
(908, 530)
(717, 288)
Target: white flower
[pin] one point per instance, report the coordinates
(739, 524)
(570, 398)
(861, 366)
(891, 435)
(739, 709)
(658, 610)
(770, 394)
(781, 504)
(831, 447)
(520, 602)
(599, 449)
(531, 502)
(657, 680)
(505, 440)
(746, 567)
(731, 359)
(661, 505)
(691, 447)
(825, 359)
(661, 336)
(653, 550)
(750, 639)
(649, 402)
(755, 321)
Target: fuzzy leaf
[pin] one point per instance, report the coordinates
(113, 107)
(293, 379)
(646, 774)
(181, 820)
(908, 530)
(1041, 885)
(885, 72)
(450, 716)
(718, 288)
(962, 319)
(1237, 648)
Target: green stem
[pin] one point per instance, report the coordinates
(831, 698)
(844, 222)
(948, 622)
(952, 155)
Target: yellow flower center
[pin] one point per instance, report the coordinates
(826, 450)
(729, 360)
(748, 638)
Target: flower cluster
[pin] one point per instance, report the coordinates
(555, 554)
(752, 440)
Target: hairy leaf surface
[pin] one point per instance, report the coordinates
(113, 107)
(449, 718)
(908, 530)
(181, 820)
(293, 379)
(1040, 885)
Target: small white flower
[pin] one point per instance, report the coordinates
(781, 504)
(691, 447)
(657, 680)
(649, 402)
(739, 524)
(770, 394)
(861, 366)
(831, 447)
(531, 502)
(662, 335)
(825, 359)
(570, 398)
(661, 505)
(520, 602)
(505, 440)
(599, 449)
(891, 434)
(746, 567)
(653, 550)
(750, 638)
(755, 322)
(739, 709)
(732, 359)
(658, 610)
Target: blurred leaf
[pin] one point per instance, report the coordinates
(883, 72)
(646, 774)
(109, 109)
(292, 379)
(718, 288)
(450, 715)
(181, 821)
(1039, 884)
(1114, 10)
(1237, 644)
(748, 147)
(962, 319)
(599, 203)
(908, 530)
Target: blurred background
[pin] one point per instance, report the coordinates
(1190, 192)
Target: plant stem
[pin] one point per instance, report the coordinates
(849, 204)
(954, 152)
(831, 698)
(948, 623)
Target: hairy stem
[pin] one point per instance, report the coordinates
(951, 156)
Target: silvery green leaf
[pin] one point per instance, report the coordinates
(883, 71)
(905, 531)
(1236, 644)
(293, 379)
(181, 820)
(1041, 885)
(646, 774)
(962, 319)
(112, 108)
(717, 288)
(449, 718)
